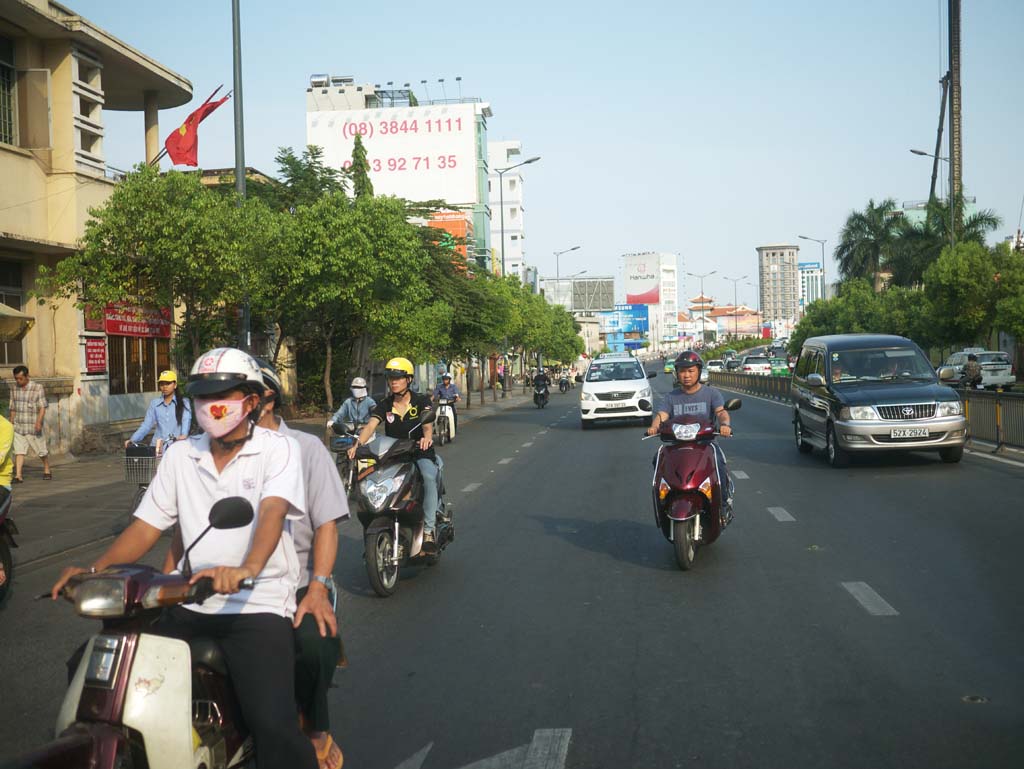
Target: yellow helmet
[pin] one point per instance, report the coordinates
(398, 367)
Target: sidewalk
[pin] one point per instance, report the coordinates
(88, 499)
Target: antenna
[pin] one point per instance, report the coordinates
(458, 79)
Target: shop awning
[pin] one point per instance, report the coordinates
(14, 324)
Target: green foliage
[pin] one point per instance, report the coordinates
(306, 178)
(359, 172)
(962, 283)
(866, 240)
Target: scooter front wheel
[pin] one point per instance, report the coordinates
(383, 575)
(685, 547)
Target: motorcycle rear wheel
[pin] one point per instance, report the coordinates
(383, 576)
(682, 540)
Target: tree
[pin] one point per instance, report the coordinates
(305, 179)
(160, 241)
(963, 288)
(359, 171)
(866, 241)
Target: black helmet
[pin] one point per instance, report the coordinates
(689, 359)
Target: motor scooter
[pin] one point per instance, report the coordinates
(141, 699)
(341, 437)
(689, 504)
(444, 426)
(540, 396)
(563, 383)
(7, 531)
(388, 498)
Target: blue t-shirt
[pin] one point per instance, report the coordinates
(701, 405)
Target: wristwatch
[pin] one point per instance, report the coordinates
(327, 582)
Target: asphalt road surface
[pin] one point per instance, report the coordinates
(865, 617)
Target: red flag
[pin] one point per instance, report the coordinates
(183, 144)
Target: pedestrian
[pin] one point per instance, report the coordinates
(28, 407)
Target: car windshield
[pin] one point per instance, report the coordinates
(609, 372)
(896, 364)
(752, 359)
(1000, 358)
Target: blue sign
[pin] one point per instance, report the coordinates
(809, 265)
(625, 319)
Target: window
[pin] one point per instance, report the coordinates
(515, 237)
(512, 213)
(135, 362)
(819, 364)
(511, 184)
(11, 353)
(8, 116)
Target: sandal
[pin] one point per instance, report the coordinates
(330, 756)
(47, 476)
(17, 480)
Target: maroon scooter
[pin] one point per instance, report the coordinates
(689, 506)
(138, 698)
(7, 532)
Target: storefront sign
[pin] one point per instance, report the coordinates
(126, 320)
(95, 356)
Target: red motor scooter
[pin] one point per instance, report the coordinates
(141, 699)
(688, 498)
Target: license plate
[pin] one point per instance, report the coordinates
(616, 405)
(909, 432)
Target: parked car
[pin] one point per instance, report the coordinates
(613, 389)
(716, 364)
(780, 366)
(996, 368)
(872, 392)
(756, 364)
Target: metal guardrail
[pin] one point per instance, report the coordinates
(995, 417)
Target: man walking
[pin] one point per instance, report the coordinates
(28, 407)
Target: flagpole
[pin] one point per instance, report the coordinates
(236, 37)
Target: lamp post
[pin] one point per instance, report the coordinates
(735, 319)
(937, 158)
(824, 282)
(501, 202)
(703, 312)
(558, 270)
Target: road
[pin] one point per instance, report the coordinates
(865, 617)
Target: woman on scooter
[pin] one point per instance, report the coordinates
(691, 398)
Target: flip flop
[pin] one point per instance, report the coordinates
(330, 757)
(47, 476)
(17, 480)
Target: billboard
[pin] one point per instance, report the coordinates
(457, 224)
(418, 153)
(643, 278)
(625, 319)
(808, 265)
(593, 294)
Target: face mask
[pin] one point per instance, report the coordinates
(218, 418)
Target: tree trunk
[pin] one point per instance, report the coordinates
(482, 379)
(469, 381)
(328, 360)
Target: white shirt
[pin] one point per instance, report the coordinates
(326, 500)
(186, 486)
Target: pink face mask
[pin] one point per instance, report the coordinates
(218, 418)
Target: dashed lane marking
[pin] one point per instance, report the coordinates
(872, 602)
(781, 514)
(471, 488)
(527, 444)
(505, 461)
(740, 475)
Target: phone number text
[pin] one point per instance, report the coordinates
(413, 163)
(367, 128)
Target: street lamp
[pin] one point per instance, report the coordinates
(735, 319)
(824, 282)
(557, 255)
(703, 313)
(931, 193)
(929, 155)
(501, 202)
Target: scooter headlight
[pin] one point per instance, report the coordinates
(377, 494)
(686, 432)
(100, 597)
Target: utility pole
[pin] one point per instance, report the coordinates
(236, 41)
(956, 159)
(938, 138)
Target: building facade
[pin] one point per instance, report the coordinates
(778, 276)
(812, 283)
(59, 74)
(505, 194)
(652, 278)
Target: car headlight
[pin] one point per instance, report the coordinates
(949, 409)
(644, 393)
(585, 396)
(100, 597)
(858, 413)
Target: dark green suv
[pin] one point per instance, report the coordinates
(872, 392)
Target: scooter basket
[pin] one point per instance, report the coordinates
(140, 464)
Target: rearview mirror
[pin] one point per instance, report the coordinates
(231, 513)
(815, 380)
(427, 417)
(733, 404)
(946, 373)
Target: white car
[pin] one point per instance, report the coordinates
(756, 364)
(613, 389)
(996, 368)
(716, 365)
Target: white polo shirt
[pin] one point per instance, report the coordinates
(184, 490)
(326, 499)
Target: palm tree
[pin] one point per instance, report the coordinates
(866, 241)
(919, 244)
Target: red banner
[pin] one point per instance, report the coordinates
(125, 320)
(95, 356)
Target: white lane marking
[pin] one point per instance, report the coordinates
(740, 475)
(781, 514)
(548, 750)
(416, 761)
(471, 488)
(984, 455)
(527, 444)
(505, 461)
(872, 602)
(542, 432)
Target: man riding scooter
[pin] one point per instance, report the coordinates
(356, 409)
(449, 391)
(541, 385)
(705, 403)
(400, 413)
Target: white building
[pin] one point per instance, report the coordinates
(780, 286)
(812, 283)
(505, 195)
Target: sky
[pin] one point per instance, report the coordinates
(701, 129)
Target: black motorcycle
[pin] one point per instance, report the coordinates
(540, 395)
(388, 498)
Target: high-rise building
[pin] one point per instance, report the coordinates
(780, 285)
(505, 194)
(812, 283)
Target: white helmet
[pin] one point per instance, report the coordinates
(358, 382)
(224, 369)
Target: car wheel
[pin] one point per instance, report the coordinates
(837, 457)
(798, 433)
(952, 454)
